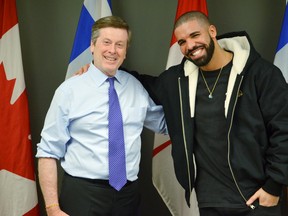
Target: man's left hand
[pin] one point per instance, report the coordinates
(265, 199)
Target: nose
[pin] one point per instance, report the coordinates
(112, 48)
(190, 44)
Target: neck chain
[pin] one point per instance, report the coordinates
(212, 90)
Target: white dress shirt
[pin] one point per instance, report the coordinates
(76, 126)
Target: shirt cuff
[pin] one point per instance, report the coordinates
(272, 187)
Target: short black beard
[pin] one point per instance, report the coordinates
(206, 59)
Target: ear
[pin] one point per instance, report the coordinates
(92, 45)
(212, 31)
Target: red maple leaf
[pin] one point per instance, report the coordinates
(15, 144)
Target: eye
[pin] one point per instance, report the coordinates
(120, 45)
(195, 35)
(181, 42)
(106, 42)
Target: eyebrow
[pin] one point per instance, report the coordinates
(180, 41)
(194, 33)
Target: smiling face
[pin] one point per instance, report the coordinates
(109, 49)
(196, 41)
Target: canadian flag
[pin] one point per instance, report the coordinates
(18, 194)
(163, 175)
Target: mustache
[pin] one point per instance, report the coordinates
(189, 51)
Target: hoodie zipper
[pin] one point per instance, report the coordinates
(183, 132)
(229, 144)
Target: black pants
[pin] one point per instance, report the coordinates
(83, 197)
(258, 211)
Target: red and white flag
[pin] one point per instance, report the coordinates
(18, 194)
(163, 175)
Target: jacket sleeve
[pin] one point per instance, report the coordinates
(150, 83)
(273, 100)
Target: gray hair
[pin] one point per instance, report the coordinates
(109, 21)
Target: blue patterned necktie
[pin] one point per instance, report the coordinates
(117, 163)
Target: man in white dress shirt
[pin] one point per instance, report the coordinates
(76, 131)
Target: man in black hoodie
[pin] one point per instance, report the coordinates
(227, 107)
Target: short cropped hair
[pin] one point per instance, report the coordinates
(192, 15)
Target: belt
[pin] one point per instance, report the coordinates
(99, 181)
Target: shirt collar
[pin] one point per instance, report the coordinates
(100, 78)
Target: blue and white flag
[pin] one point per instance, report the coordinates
(281, 57)
(92, 10)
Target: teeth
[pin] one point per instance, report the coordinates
(196, 53)
(110, 58)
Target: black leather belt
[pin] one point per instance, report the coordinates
(99, 181)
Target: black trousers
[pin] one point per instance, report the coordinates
(258, 211)
(84, 197)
